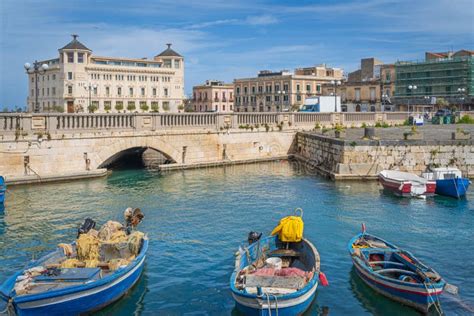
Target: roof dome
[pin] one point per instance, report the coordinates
(75, 44)
(168, 52)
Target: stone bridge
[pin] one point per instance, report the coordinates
(44, 147)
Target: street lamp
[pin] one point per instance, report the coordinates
(335, 83)
(281, 94)
(36, 69)
(89, 88)
(461, 92)
(411, 88)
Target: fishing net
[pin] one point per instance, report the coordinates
(87, 247)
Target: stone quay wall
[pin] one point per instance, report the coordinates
(42, 146)
(364, 159)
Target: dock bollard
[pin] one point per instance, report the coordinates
(369, 132)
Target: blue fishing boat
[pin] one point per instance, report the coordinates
(274, 277)
(395, 273)
(50, 290)
(3, 189)
(449, 181)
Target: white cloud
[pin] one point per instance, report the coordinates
(261, 20)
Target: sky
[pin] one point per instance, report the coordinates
(230, 39)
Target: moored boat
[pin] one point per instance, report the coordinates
(449, 181)
(63, 283)
(275, 277)
(406, 184)
(3, 189)
(395, 273)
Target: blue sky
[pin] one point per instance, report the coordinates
(230, 39)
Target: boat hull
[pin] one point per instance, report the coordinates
(2, 197)
(259, 306)
(418, 298)
(406, 188)
(83, 298)
(455, 187)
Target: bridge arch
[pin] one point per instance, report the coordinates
(116, 148)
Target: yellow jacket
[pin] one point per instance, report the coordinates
(290, 229)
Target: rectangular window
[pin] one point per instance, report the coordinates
(53, 91)
(285, 98)
(107, 91)
(318, 88)
(143, 92)
(70, 57)
(54, 76)
(95, 90)
(285, 87)
(298, 88)
(357, 94)
(298, 98)
(253, 89)
(260, 89)
(119, 91)
(268, 98)
(154, 92)
(372, 94)
(245, 90)
(277, 87)
(130, 91)
(176, 64)
(277, 98)
(166, 92)
(80, 57)
(308, 88)
(69, 89)
(47, 91)
(42, 91)
(69, 75)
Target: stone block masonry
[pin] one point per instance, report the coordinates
(364, 159)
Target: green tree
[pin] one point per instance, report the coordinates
(155, 107)
(131, 106)
(119, 105)
(143, 106)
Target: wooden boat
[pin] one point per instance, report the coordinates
(406, 184)
(257, 294)
(3, 189)
(449, 181)
(69, 291)
(395, 273)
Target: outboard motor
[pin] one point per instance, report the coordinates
(253, 237)
(86, 226)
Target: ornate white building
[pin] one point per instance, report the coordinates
(79, 81)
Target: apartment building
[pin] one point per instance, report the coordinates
(78, 81)
(282, 90)
(369, 88)
(445, 75)
(213, 96)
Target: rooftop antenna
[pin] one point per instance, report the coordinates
(169, 45)
(74, 36)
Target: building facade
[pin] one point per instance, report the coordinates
(442, 79)
(367, 89)
(78, 81)
(283, 90)
(213, 96)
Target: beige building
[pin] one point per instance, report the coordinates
(283, 90)
(78, 81)
(369, 88)
(213, 96)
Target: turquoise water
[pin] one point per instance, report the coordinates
(197, 218)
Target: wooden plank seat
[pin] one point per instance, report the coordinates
(283, 282)
(387, 262)
(285, 253)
